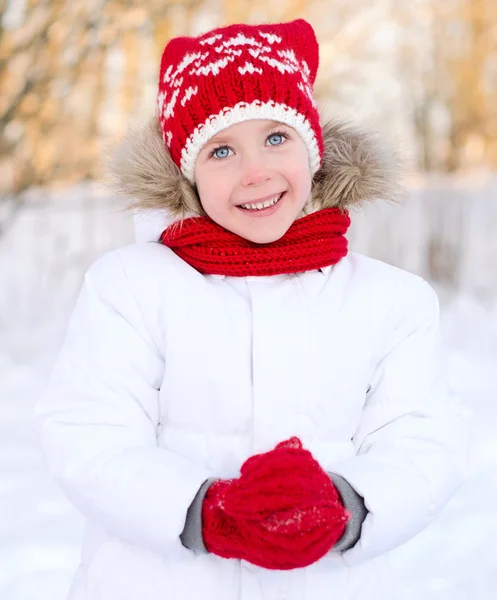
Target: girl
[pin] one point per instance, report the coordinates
(242, 409)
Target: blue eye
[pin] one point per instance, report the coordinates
(222, 152)
(276, 139)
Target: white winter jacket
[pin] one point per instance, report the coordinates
(168, 377)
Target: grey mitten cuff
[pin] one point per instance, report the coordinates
(354, 503)
(191, 536)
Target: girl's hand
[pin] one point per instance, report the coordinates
(283, 512)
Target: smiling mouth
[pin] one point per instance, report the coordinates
(268, 203)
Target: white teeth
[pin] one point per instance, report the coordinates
(261, 205)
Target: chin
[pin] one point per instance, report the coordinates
(265, 237)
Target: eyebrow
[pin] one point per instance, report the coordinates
(227, 139)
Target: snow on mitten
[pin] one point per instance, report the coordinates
(283, 512)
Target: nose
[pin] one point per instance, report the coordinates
(254, 173)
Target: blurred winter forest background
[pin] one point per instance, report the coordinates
(74, 75)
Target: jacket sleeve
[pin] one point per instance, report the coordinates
(412, 439)
(100, 413)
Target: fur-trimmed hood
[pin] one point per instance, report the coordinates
(357, 168)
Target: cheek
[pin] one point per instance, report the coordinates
(214, 194)
(297, 169)
(301, 180)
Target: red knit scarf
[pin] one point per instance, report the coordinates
(312, 242)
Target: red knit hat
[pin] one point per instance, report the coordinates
(234, 74)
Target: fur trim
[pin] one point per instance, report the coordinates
(356, 168)
(142, 169)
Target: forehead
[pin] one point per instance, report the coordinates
(253, 126)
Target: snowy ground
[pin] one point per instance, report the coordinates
(455, 559)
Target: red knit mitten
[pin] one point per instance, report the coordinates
(283, 512)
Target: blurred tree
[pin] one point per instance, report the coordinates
(472, 100)
(54, 81)
(447, 55)
(41, 64)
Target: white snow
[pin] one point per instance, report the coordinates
(40, 532)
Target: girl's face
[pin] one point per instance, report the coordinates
(254, 179)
